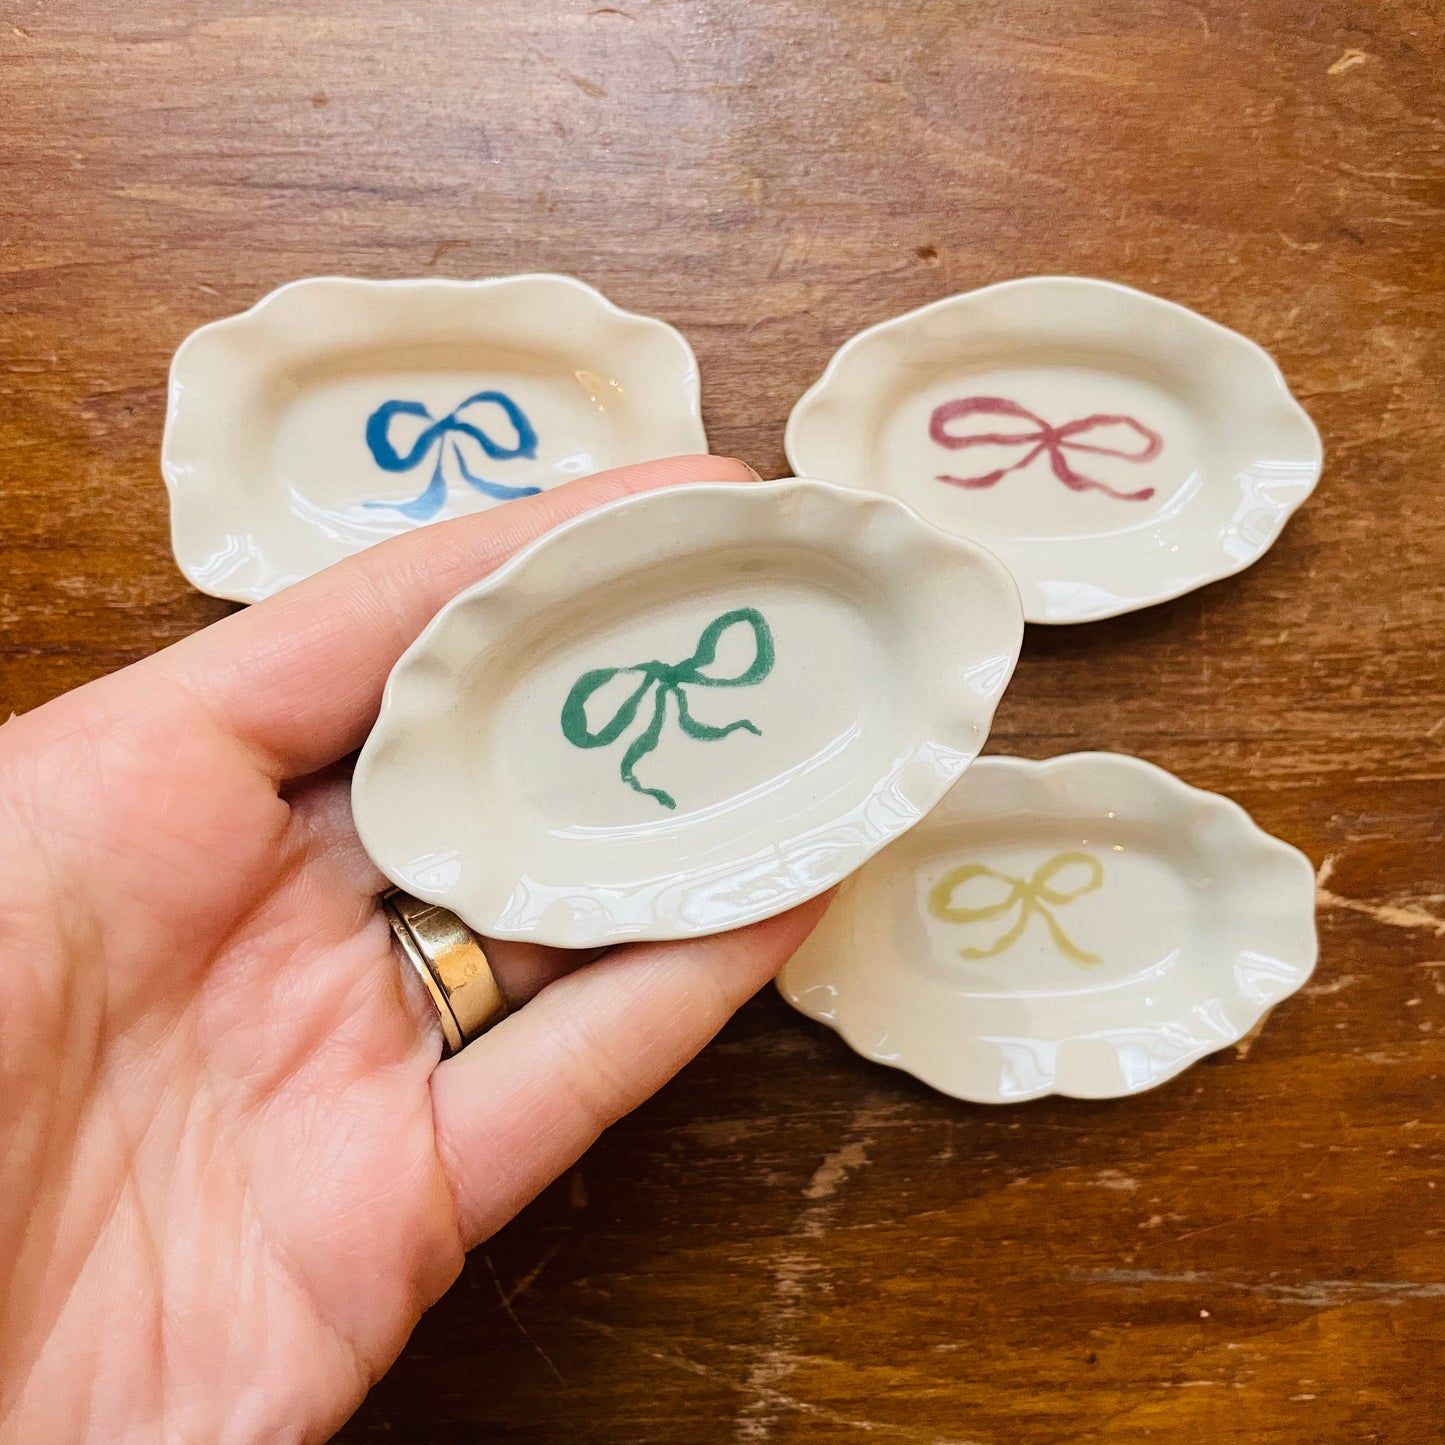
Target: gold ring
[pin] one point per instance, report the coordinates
(450, 962)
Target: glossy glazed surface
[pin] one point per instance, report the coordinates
(684, 712)
(789, 1244)
(337, 412)
(1113, 449)
(1086, 926)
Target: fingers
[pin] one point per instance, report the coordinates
(299, 677)
(518, 1106)
(321, 809)
(523, 970)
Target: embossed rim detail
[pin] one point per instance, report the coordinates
(228, 539)
(413, 803)
(959, 1042)
(1083, 581)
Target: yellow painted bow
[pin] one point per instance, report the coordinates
(1029, 896)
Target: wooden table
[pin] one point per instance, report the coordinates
(789, 1244)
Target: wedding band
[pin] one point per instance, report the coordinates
(450, 962)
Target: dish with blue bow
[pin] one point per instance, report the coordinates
(337, 412)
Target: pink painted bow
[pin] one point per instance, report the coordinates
(1054, 440)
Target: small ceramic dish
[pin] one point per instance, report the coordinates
(685, 711)
(1113, 449)
(1087, 926)
(337, 412)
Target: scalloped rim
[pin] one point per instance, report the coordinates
(1214, 1018)
(1271, 513)
(502, 900)
(210, 508)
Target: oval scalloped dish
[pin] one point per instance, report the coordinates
(1087, 926)
(337, 412)
(1114, 450)
(685, 711)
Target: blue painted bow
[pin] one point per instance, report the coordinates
(448, 435)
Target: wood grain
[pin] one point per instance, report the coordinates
(789, 1244)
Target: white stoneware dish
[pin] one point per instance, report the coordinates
(337, 412)
(1087, 926)
(1114, 450)
(685, 711)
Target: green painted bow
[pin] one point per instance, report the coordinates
(669, 678)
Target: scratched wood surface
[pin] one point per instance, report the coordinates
(788, 1244)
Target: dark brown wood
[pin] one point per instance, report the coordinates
(789, 1244)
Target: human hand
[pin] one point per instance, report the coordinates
(234, 1172)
